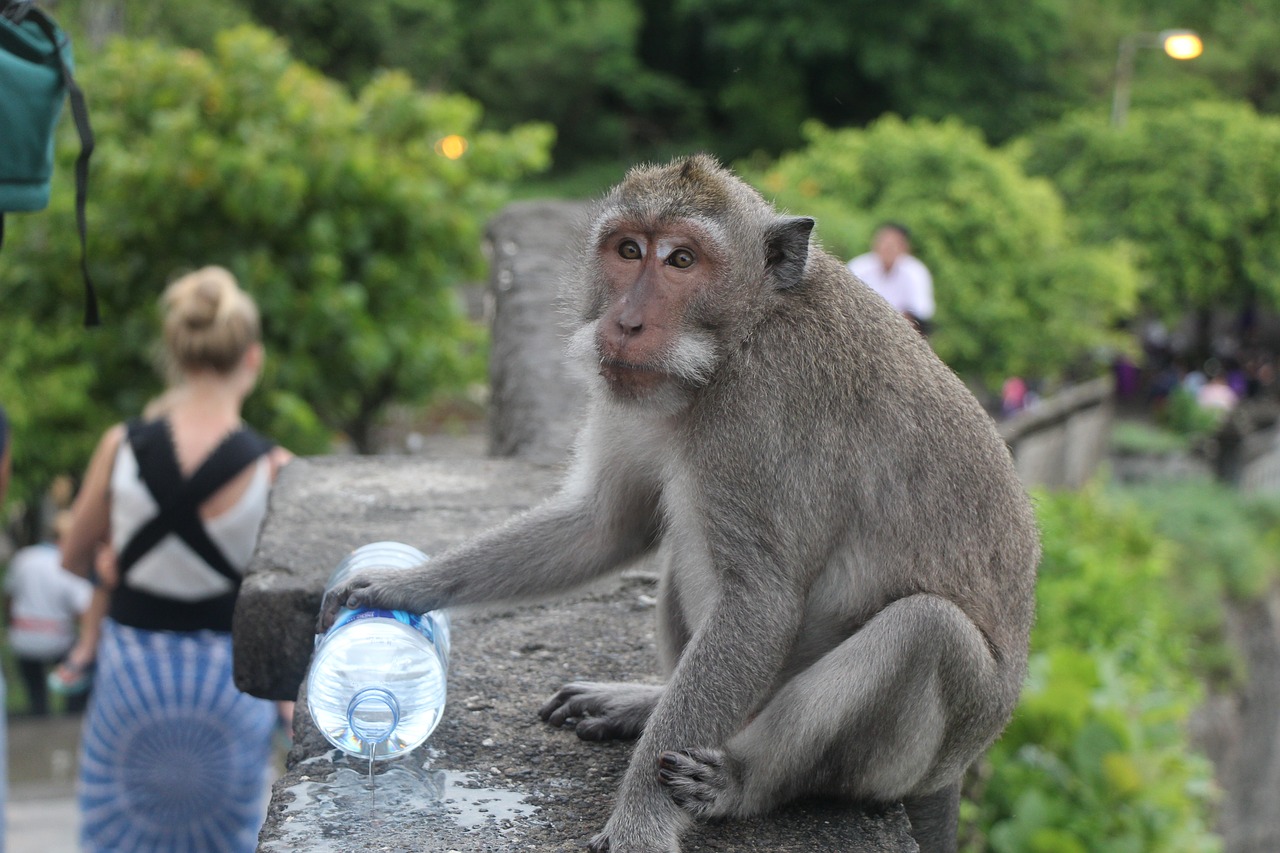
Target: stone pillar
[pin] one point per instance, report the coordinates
(535, 397)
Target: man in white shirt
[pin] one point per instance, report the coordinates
(893, 272)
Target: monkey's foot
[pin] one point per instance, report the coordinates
(706, 783)
(602, 710)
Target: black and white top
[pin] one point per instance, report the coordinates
(180, 572)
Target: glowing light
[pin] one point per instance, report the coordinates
(1182, 44)
(452, 146)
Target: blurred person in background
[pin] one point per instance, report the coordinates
(173, 756)
(899, 276)
(44, 602)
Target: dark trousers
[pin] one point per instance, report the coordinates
(34, 672)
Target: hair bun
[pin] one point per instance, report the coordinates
(209, 321)
(199, 308)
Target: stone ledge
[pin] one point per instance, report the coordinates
(323, 508)
(492, 777)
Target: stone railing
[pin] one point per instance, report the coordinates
(1061, 441)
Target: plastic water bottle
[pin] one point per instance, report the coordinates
(376, 687)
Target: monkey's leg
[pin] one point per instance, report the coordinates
(935, 818)
(897, 710)
(604, 710)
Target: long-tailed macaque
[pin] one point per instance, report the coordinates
(848, 556)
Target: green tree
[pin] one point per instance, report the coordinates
(352, 41)
(1240, 60)
(1016, 294)
(572, 63)
(764, 67)
(1196, 188)
(91, 23)
(576, 64)
(45, 389)
(335, 212)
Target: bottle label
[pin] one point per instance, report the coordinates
(423, 624)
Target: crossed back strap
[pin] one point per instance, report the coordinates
(180, 498)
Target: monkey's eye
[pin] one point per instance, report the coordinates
(629, 249)
(681, 259)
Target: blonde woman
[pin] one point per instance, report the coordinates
(173, 756)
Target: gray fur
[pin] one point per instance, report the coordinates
(848, 556)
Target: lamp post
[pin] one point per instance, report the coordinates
(1179, 44)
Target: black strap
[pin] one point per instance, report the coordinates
(15, 10)
(179, 499)
(79, 112)
(140, 609)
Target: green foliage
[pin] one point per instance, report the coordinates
(45, 389)
(1129, 626)
(91, 23)
(1240, 59)
(575, 64)
(1139, 438)
(1226, 540)
(1184, 415)
(335, 212)
(628, 78)
(769, 65)
(1096, 757)
(1016, 294)
(1206, 222)
(351, 41)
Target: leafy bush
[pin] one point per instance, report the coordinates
(1184, 415)
(1147, 439)
(1206, 223)
(1226, 541)
(335, 212)
(1016, 293)
(1096, 757)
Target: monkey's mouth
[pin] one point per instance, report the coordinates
(628, 377)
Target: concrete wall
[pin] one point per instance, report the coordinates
(1061, 441)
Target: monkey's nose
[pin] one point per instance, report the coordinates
(630, 323)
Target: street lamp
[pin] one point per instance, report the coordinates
(1179, 44)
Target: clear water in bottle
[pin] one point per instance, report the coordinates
(376, 688)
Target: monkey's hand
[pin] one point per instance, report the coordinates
(602, 710)
(391, 589)
(707, 783)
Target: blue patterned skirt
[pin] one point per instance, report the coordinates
(173, 758)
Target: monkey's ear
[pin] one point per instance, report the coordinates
(788, 250)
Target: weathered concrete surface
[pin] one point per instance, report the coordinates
(493, 777)
(536, 400)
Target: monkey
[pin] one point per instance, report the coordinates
(847, 555)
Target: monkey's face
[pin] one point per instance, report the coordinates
(653, 281)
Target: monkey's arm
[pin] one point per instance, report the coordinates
(591, 527)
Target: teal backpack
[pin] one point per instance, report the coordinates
(35, 78)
